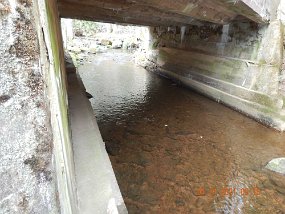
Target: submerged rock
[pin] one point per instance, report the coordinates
(277, 165)
(112, 148)
(93, 50)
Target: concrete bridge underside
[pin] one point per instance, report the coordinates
(166, 12)
(228, 50)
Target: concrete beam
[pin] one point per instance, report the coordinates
(148, 9)
(164, 12)
(204, 10)
(137, 15)
(256, 11)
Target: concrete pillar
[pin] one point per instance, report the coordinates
(67, 31)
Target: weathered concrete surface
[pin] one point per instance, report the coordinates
(167, 12)
(63, 151)
(238, 64)
(28, 181)
(36, 159)
(97, 187)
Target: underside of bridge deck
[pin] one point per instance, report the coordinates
(166, 12)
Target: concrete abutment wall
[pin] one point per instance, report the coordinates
(37, 164)
(37, 169)
(28, 181)
(63, 151)
(238, 64)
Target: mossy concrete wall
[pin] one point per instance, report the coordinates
(36, 161)
(57, 82)
(238, 64)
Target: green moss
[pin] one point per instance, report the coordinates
(53, 40)
(255, 51)
(58, 69)
(155, 44)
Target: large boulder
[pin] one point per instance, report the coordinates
(106, 42)
(277, 165)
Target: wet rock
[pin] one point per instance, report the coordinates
(78, 33)
(150, 198)
(277, 165)
(262, 201)
(279, 183)
(134, 193)
(93, 50)
(199, 202)
(195, 211)
(209, 209)
(4, 98)
(112, 149)
(142, 160)
(133, 46)
(105, 42)
(147, 147)
(267, 184)
(179, 202)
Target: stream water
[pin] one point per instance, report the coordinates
(175, 151)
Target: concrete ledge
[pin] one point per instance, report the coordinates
(261, 113)
(241, 72)
(97, 188)
(274, 102)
